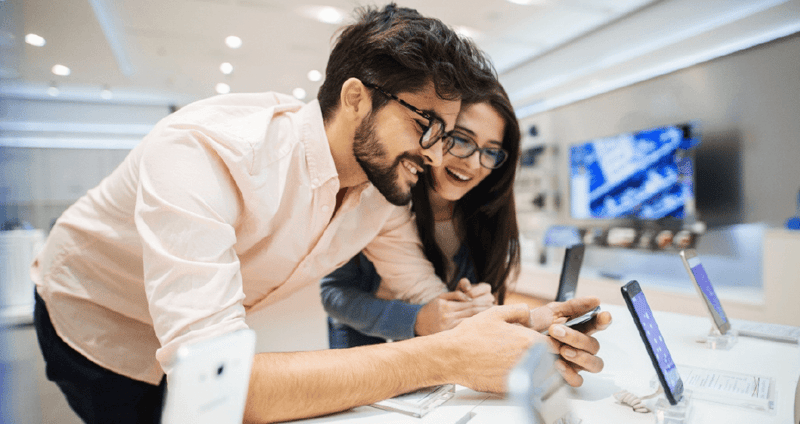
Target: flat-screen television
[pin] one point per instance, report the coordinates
(642, 175)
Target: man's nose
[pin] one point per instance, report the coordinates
(433, 155)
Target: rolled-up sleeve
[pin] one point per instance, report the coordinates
(186, 209)
(406, 274)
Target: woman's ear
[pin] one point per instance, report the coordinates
(356, 101)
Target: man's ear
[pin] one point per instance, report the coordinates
(356, 100)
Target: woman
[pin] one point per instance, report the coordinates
(466, 218)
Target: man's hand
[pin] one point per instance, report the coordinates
(448, 309)
(578, 350)
(484, 348)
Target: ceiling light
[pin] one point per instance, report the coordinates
(226, 68)
(60, 70)
(314, 75)
(467, 32)
(329, 15)
(52, 90)
(326, 14)
(35, 40)
(106, 93)
(299, 93)
(223, 88)
(233, 41)
(527, 2)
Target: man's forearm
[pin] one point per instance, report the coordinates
(286, 386)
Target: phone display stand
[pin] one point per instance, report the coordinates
(719, 341)
(681, 413)
(667, 413)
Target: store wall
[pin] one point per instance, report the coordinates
(748, 107)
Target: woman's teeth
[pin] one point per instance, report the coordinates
(457, 175)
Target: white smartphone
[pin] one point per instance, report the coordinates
(703, 285)
(210, 380)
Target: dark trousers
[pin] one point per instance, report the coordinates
(96, 394)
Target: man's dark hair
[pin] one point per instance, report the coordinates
(401, 51)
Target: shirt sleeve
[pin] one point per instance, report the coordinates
(347, 296)
(186, 208)
(406, 274)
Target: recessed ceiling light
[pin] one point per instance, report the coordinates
(223, 88)
(106, 93)
(35, 40)
(326, 14)
(60, 70)
(314, 75)
(299, 93)
(468, 32)
(52, 90)
(527, 2)
(233, 41)
(226, 68)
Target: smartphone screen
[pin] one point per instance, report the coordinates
(654, 341)
(570, 270)
(692, 263)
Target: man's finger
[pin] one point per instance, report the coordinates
(574, 338)
(574, 307)
(581, 360)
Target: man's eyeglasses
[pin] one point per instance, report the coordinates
(464, 147)
(431, 133)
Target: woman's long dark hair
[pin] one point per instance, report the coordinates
(485, 217)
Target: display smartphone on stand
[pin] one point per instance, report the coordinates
(570, 269)
(653, 341)
(209, 382)
(774, 332)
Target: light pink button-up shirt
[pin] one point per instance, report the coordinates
(225, 207)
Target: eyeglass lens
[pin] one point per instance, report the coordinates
(463, 148)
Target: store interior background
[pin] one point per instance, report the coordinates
(576, 70)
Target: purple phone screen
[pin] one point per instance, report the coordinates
(660, 350)
(705, 285)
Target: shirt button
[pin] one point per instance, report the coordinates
(325, 208)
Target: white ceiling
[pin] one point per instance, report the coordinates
(171, 50)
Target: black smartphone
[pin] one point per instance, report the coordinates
(653, 341)
(570, 270)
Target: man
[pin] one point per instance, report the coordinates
(235, 202)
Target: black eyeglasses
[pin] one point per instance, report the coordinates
(464, 147)
(431, 133)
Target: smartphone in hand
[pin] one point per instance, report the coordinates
(579, 319)
(653, 341)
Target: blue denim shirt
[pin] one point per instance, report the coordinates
(357, 317)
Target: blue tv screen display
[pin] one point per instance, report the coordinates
(643, 175)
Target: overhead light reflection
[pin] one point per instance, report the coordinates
(53, 90)
(106, 93)
(233, 41)
(223, 88)
(314, 75)
(35, 40)
(226, 68)
(299, 93)
(60, 70)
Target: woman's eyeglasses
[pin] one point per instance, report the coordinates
(463, 147)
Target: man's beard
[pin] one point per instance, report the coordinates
(371, 155)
